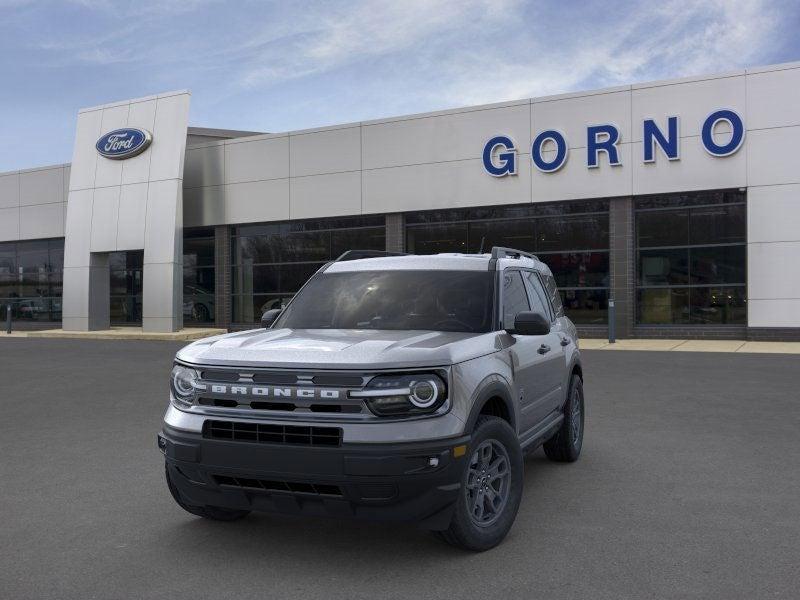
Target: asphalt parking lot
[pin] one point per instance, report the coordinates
(688, 487)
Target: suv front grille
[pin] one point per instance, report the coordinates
(317, 489)
(268, 433)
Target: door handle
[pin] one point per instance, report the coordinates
(543, 349)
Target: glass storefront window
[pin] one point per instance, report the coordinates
(31, 279)
(572, 238)
(126, 287)
(270, 262)
(691, 259)
(433, 239)
(199, 281)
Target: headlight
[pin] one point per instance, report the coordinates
(404, 395)
(183, 382)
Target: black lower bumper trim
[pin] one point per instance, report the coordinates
(398, 482)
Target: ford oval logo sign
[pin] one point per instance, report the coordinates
(123, 143)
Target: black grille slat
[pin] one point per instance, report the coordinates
(282, 406)
(293, 487)
(268, 433)
(275, 378)
(222, 376)
(339, 380)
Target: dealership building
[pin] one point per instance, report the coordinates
(677, 200)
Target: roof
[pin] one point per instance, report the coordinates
(432, 262)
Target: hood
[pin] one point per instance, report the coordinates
(339, 349)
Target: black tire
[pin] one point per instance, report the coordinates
(215, 513)
(566, 444)
(465, 531)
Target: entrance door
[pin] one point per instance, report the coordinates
(126, 287)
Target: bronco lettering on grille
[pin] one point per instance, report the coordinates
(274, 392)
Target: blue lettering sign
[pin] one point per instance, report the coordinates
(602, 138)
(652, 135)
(707, 134)
(500, 152)
(507, 158)
(561, 151)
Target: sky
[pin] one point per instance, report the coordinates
(283, 65)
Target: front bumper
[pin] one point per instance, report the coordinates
(417, 481)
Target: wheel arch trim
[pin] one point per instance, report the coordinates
(492, 388)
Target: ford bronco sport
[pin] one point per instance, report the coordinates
(394, 387)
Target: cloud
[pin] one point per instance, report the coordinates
(276, 65)
(673, 40)
(328, 38)
(471, 52)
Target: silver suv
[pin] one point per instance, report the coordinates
(394, 387)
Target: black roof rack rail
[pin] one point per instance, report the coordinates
(500, 252)
(357, 254)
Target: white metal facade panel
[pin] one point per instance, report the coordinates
(43, 186)
(32, 203)
(325, 195)
(571, 115)
(132, 204)
(259, 160)
(9, 190)
(443, 138)
(773, 98)
(325, 151)
(9, 223)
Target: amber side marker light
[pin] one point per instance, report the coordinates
(459, 451)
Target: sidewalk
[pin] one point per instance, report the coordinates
(659, 345)
(119, 333)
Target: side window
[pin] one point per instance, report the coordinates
(515, 299)
(537, 295)
(552, 293)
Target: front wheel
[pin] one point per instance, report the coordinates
(215, 513)
(566, 444)
(491, 488)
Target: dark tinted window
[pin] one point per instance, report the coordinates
(510, 234)
(662, 228)
(515, 298)
(126, 269)
(552, 293)
(536, 294)
(395, 300)
(579, 269)
(271, 261)
(664, 267)
(718, 225)
(31, 278)
(199, 249)
(718, 264)
(438, 238)
(688, 247)
(572, 238)
(567, 233)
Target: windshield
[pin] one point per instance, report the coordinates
(432, 300)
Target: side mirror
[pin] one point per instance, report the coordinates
(268, 318)
(531, 323)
